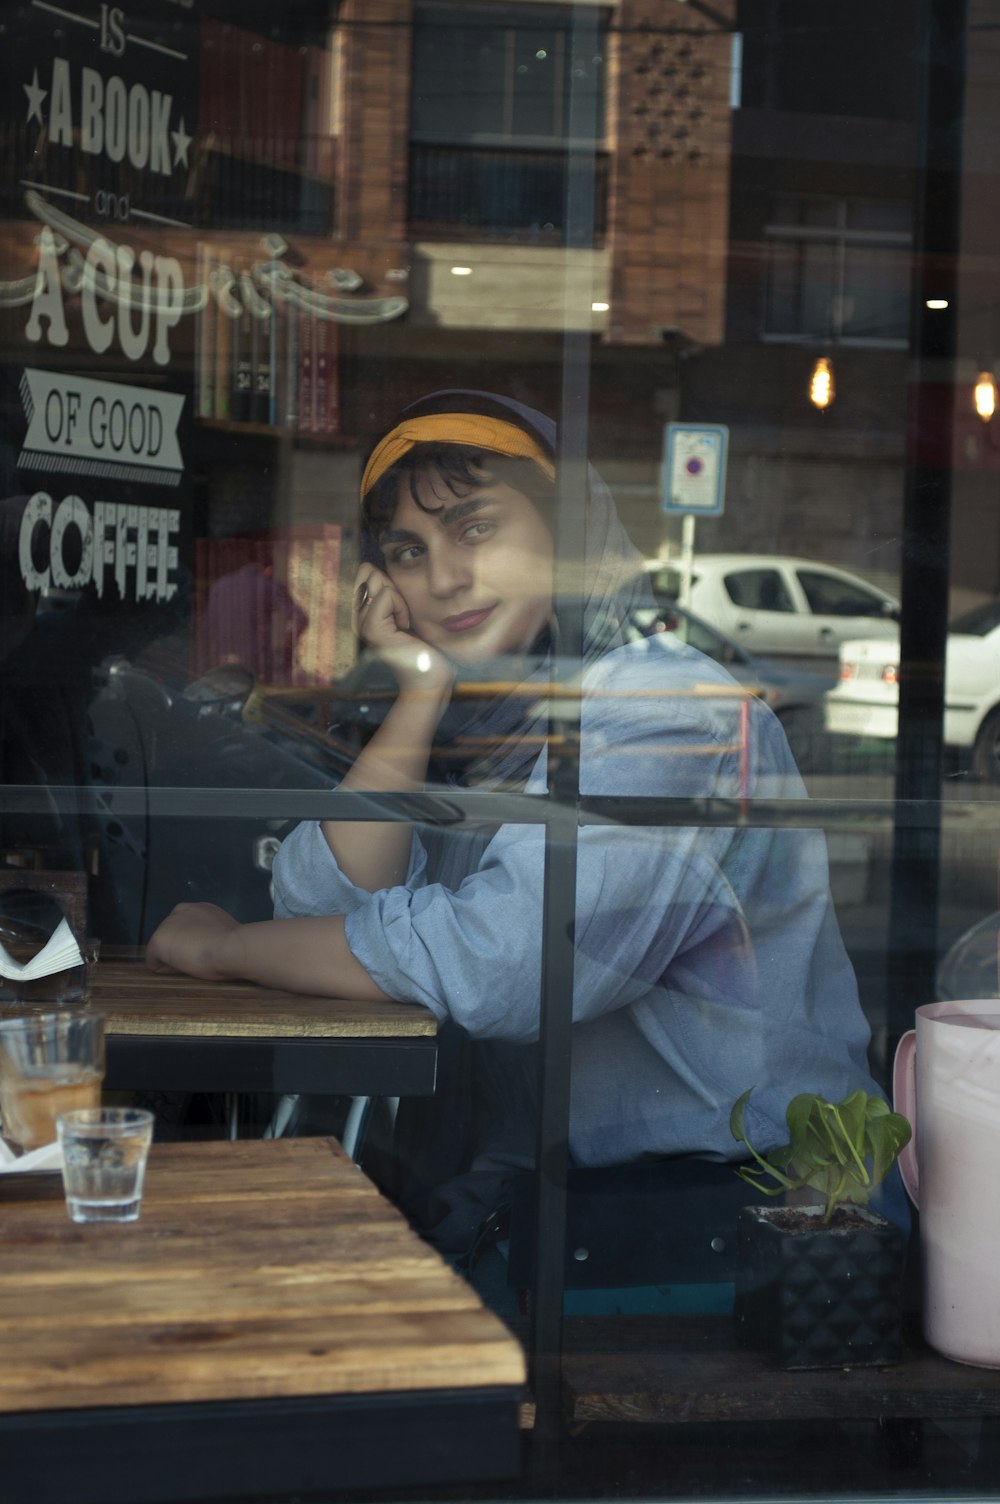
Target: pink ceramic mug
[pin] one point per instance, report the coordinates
(946, 1081)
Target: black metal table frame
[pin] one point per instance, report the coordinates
(330, 1066)
(256, 1449)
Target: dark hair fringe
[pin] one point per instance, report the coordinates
(460, 469)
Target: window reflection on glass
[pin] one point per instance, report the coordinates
(838, 270)
(490, 120)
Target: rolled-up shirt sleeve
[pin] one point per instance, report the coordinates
(474, 955)
(308, 883)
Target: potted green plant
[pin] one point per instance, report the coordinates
(818, 1285)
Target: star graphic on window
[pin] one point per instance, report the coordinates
(35, 97)
(181, 143)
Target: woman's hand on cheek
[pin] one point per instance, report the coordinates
(196, 938)
(382, 622)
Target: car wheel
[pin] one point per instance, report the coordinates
(986, 753)
(805, 735)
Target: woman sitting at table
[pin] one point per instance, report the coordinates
(708, 960)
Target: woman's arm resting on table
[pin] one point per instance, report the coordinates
(299, 955)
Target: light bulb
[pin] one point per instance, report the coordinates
(985, 395)
(821, 387)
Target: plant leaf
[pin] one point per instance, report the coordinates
(751, 1176)
(852, 1115)
(842, 1150)
(888, 1133)
(772, 1164)
(737, 1118)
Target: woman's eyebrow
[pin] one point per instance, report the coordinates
(398, 535)
(446, 516)
(463, 509)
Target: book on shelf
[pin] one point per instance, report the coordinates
(205, 338)
(241, 407)
(326, 412)
(223, 377)
(306, 400)
(287, 330)
(263, 406)
(271, 363)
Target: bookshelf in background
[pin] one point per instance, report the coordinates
(275, 365)
(269, 601)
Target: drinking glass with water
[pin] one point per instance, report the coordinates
(104, 1152)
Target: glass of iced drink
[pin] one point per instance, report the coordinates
(49, 1063)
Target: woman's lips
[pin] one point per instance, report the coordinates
(466, 620)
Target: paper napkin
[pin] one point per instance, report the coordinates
(48, 1157)
(59, 953)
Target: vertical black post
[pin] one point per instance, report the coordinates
(559, 908)
(927, 511)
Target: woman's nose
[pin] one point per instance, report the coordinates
(448, 569)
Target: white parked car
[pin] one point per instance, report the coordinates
(774, 604)
(865, 701)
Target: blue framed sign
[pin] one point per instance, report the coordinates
(694, 468)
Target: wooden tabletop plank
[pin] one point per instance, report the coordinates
(301, 1294)
(257, 1269)
(214, 1359)
(135, 1000)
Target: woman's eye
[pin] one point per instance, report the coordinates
(408, 555)
(477, 530)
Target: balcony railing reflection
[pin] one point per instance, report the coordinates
(467, 192)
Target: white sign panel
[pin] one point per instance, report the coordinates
(694, 468)
(101, 428)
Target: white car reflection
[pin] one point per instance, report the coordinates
(779, 604)
(865, 701)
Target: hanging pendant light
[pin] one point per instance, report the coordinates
(821, 385)
(984, 395)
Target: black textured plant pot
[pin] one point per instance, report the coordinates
(815, 1296)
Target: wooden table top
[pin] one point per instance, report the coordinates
(256, 1270)
(135, 1000)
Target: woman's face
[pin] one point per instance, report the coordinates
(475, 572)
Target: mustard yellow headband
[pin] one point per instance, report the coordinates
(472, 429)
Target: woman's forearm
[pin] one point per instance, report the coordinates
(298, 955)
(375, 854)
(301, 955)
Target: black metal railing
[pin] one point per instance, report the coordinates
(468, 192)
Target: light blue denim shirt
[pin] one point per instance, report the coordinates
(708, 960)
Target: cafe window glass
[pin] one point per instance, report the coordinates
(237, 241)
